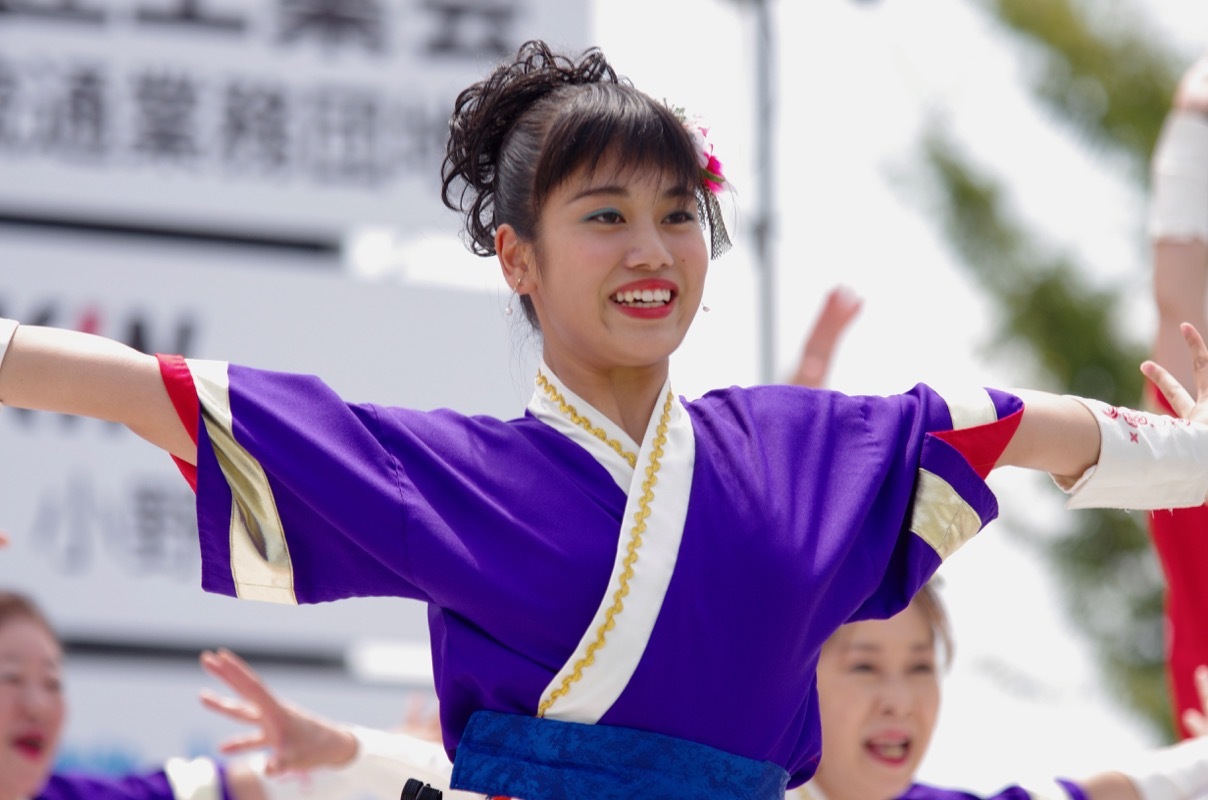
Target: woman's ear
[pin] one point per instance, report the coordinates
(515, 256)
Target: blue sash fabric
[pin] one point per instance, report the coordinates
(543, 759)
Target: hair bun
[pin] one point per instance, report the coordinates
(484, 115)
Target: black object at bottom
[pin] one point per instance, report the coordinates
(418, 790)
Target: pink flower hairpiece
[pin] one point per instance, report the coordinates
(711, 175)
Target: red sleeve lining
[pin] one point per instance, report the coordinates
(181, 391)
(982, 445)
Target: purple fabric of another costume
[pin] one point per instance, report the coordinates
(798, 522)
(145, 786)
(921, 791)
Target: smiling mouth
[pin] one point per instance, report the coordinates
(892, 751)
(644, 298)
(31, 745)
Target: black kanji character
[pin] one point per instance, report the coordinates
(255, 127)
(334, 22)
(472, 28)
(189, 13)
(167, 116)
(65, 11)
(76, 122)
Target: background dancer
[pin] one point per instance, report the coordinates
(604, 573)
(879, 696)
(1178, 229)
(32, 712)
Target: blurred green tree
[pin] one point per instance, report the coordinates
(1103, 74)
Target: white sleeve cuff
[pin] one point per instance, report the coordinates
(1146, 461)
(194, 779)
(381, 767)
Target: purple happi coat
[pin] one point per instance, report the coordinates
(807, 509)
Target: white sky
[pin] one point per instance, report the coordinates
(855, 80)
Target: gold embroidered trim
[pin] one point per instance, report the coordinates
(631, 549)
(572, 413)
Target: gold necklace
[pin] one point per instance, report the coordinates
(574, 416)
(635, 536)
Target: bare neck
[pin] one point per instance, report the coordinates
(626, 396)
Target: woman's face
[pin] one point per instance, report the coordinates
(31, 706)
(878, 695)
(620, 267)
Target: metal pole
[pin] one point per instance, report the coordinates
(764, 225)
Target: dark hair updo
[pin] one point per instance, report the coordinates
(517, 135)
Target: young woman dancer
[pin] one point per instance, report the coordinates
(628, 590)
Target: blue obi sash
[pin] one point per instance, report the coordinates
(543, 759)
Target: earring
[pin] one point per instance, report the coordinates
(515, 295)
(704, 308)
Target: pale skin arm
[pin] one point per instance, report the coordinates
(1180, 265)
(51, 369)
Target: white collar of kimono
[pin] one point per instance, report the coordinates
(605, 659)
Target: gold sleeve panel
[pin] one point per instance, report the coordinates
(941, 516)
(193, 779)
(260, 561)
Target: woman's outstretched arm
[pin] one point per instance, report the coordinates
(1118, 458)
(52, 369)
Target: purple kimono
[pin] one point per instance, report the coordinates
(146, 786)
(808, 509)
(921, 791)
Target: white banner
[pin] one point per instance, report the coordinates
(255, 118)
(103, 530)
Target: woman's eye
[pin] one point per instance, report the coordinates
(607, 217)
(862, 667)
(680, 217)
(923, 669)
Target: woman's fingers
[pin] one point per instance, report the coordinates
(230, 707)
(241, 744)
(1168, 385)
(1199, 359)
(241, 678)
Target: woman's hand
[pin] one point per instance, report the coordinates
(838, 310)
(1196, 720)
(1189, 408)
(296, 739)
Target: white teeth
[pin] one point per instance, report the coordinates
(888, 750)
(646, 298)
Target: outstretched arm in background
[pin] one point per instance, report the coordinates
(838, 310)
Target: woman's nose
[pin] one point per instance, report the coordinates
(649, 250)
